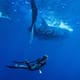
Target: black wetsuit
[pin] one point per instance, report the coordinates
(36, 66)
(32, 66)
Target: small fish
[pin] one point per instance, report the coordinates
(4, 16)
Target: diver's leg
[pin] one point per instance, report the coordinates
(28, 63)
(13, 66)
(17, 66)
(9, 66)
(21, 62)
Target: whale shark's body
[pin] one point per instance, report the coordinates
(59, 30)
(45, 31)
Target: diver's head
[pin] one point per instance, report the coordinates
(45, 56)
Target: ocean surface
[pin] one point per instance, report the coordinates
(63, 54)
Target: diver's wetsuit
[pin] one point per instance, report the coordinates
(39, 63)
(32, 66)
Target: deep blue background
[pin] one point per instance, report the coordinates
(64, 54)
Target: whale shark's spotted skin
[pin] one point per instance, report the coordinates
(49, 32)
(46, 30)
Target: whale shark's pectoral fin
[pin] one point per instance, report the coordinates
(44, 25)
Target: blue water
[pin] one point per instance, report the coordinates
(64, 54)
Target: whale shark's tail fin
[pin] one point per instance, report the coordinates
(32, 29)
(34, 17)
(31, 34)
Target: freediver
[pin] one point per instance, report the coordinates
(32, 65)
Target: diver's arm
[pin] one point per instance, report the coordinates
(40, 71)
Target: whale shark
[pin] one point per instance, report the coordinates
(58, 30)
(46, 30)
